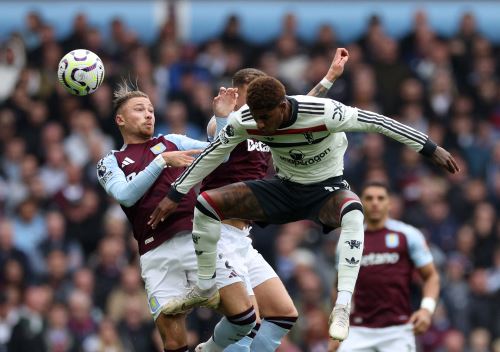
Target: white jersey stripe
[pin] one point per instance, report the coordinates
(395, 123)
(390, 126)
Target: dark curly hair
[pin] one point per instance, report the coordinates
(246, 75)
(265, 93)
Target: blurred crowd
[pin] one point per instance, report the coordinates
(69, 274)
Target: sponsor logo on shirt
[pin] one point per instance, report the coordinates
(338, 112)
(297, 157)
(158, 148)
(257, 146)
(379, 259)
(391, 240)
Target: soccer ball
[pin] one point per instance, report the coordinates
(80, 72)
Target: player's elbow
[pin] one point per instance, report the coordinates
(125, 200)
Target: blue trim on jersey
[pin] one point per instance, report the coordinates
(184, 142)
(417, 247)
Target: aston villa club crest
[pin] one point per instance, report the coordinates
(154, 305)
(391, 240)
(158, 148)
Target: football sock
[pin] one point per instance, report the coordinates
(344, 297)
(350, 246)
(206, 233)
(272, 330)
(243, 345)
(232, 329)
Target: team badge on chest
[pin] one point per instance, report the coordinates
(391, 240)
(158, 148)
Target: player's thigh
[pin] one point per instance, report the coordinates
(274, 300)
(163, 273)
(236, 201)
(399, 338)
(172, 330)
(360, 339)
(331, 210)
(234, 245)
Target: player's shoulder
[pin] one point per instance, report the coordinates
(312, 105)
(106, 165)
(110, 156)
(241, 117)
(308, 98)
(408, 230)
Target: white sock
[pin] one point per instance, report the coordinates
(206, 233)
(344, 297)
(350, 249)
(206, 284)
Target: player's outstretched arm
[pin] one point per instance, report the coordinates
(342, 118)
(335, 71)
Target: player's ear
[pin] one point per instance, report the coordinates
(119, 120)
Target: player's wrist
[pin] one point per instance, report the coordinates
(429, 304)
(429, 148)
(327, 83)
(161, 161)
(175, 195)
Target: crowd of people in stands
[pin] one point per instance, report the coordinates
(69, 275)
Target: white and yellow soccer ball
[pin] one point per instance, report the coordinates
(80, 72)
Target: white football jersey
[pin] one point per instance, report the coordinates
(309, 148)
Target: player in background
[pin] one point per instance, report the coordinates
(250, 161)
(137, 176)
(381, 319)
(307, 141)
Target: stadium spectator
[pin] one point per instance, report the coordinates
(446, 85)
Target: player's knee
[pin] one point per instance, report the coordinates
(244, 321)
(290, 312)
(352, 214)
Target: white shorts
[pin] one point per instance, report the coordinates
(389, 339)
(237, 247)
(171, 268)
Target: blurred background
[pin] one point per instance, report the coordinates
(66, 252)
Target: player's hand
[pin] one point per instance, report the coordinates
(224, 103)
(443, 158)
(421, 321)
(337, 67)
(180, 158)
(162, 211)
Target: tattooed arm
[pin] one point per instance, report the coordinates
(334, 72)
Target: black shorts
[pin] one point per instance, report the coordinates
(286, 201)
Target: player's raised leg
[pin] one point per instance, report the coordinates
(344, 208)
(233, 201)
